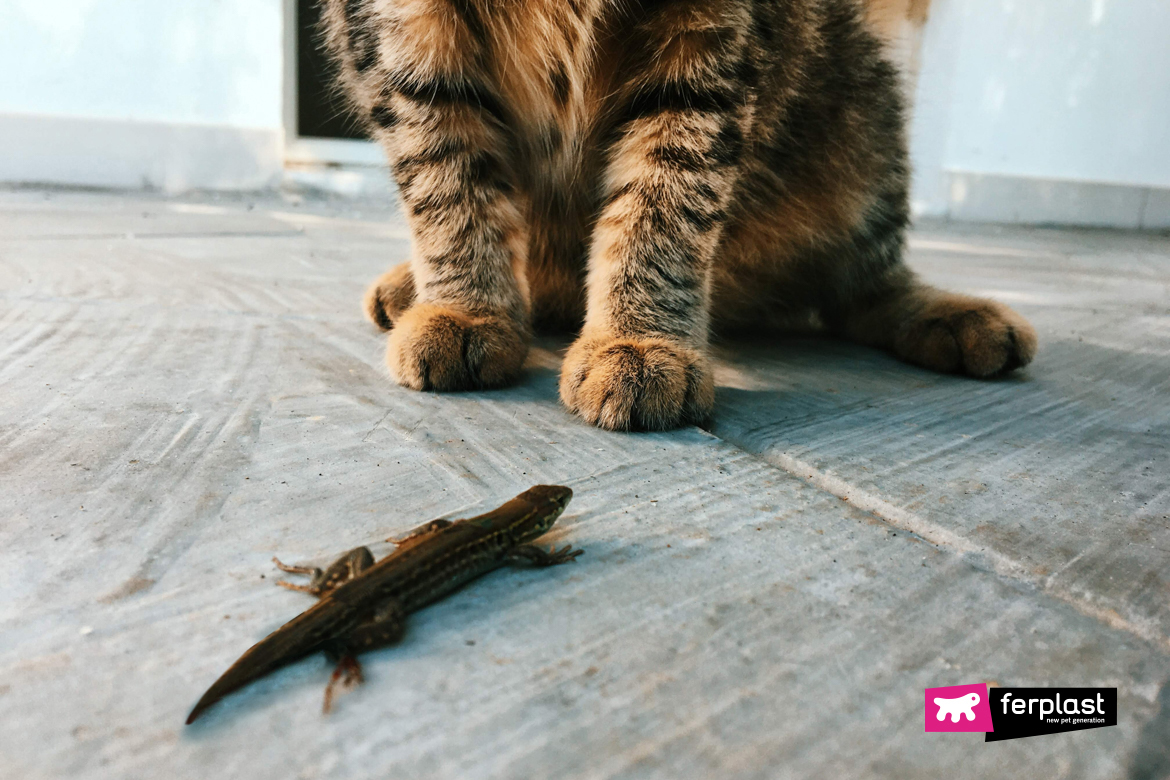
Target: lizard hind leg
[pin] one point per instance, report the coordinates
(347, 674)
(386, 627)
(339, 572)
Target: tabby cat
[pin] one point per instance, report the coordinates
(643, 171)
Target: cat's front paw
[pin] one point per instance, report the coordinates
(436, 347)
(973, 336)
(637, 384)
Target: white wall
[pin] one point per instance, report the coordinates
(1026, 110)
(136, 70)
(1044, 91)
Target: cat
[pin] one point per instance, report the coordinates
(642, 171)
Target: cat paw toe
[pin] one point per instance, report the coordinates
(389, 296)
(637, 384)
(436, 347)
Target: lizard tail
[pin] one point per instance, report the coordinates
(304, 634)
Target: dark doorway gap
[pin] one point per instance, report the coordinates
(321, 110)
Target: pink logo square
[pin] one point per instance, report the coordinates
(958, 708)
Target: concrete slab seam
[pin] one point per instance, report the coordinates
(936, 535)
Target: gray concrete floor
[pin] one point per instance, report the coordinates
(188, 389)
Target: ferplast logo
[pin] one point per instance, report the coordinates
(1030, 712)
(1012, 713)
(958, 708)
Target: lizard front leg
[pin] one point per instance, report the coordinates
(420, 534)
(531, 555)
(339, 572)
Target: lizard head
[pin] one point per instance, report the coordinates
(548, 501)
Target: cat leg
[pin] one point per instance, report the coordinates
(555, 270)
(419, 72)
(940, 330)
(641, 361)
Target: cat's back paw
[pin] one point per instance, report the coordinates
(972, 336)
(433, 347)
(389, 296)
(637, 384)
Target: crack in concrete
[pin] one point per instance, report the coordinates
(940, 536)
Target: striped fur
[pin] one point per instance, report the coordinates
(643, 171)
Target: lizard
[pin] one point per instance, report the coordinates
(363, 604)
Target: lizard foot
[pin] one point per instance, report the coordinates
(348, 674)
(532, 555)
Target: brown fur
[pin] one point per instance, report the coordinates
(643, 171)
(899, 25)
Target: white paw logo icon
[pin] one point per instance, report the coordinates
(953, 707)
